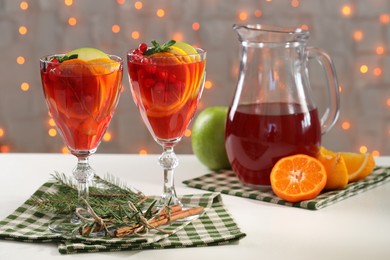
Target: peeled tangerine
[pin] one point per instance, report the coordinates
(342, 167)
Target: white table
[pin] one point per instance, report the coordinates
(356, 228)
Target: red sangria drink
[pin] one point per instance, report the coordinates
(258, 135)
(81, 96)
(166, 89)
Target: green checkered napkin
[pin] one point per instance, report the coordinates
(214, 227)
(227, 182)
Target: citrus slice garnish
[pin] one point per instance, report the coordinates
(182, 48)
(164, 58)
(88, 54)
(336, 169)
(185, 47)
(159, 110)
(298, 177)
(359, 165)
(75, 67)
(104, 65)
(176, 50)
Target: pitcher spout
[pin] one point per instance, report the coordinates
(259, 33)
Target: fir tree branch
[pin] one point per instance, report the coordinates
(105, 196)
(111, 206)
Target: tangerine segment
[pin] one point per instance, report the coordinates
(359, 165)
(336, 169)
(298, 177)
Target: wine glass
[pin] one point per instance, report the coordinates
(81, 97)
(166, 89)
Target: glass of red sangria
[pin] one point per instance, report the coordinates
(82, 90)
(166, 83)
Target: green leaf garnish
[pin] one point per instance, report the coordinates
(159, 48)
(64, 58)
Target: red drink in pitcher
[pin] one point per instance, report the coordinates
(258, 135)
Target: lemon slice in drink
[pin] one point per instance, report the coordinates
(185, 47)
(182, 48)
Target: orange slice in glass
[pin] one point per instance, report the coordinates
(75, 67)
(103, 66)
(167, 58)
(298, 177)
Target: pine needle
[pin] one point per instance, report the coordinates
(105, 196)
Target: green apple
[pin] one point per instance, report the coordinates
(88, 54)
(208, 138)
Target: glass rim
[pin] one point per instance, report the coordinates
(114, 59)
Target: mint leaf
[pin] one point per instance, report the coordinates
(159, 48)
(64, 58)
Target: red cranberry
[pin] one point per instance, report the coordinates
(51, 66)
(143, 47)
(136, 55)
(54, 60)
(144, 60)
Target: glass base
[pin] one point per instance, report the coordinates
(70, 226)
(65, 227)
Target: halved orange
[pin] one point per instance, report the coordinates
(298, 177)
(359, 165)
(336, 169)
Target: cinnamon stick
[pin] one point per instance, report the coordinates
(161, 220)
(177, 215)
(172, 209)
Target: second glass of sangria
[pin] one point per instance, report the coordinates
(166, 83)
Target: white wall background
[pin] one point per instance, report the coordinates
(365, 97)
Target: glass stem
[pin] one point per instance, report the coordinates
(169, 162)
(83, 173)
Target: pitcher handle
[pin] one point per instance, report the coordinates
(331, 113)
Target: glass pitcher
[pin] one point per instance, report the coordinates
(272, 114)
